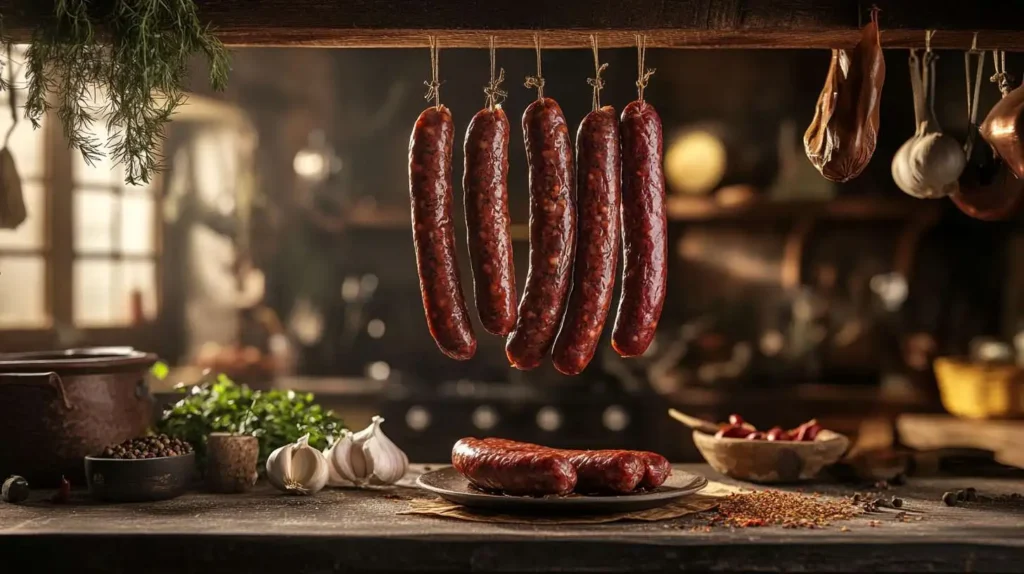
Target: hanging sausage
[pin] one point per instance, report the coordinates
(430, 192)
(644, 224)
(597, 243)
(552, 228)
(844, 131)
(485, 184)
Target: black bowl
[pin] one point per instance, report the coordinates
(138, 480)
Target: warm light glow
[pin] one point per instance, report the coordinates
(695, 162)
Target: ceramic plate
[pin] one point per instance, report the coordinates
(450, 485)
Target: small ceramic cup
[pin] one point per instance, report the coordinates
(231, 462)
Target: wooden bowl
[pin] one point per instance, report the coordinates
(977, 390)
(139, 480)
(766, 462)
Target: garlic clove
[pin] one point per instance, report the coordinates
(388, 463)
(298, 468)
(347, 462)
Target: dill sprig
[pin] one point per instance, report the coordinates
(141, 67)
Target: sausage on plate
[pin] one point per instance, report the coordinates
(430, 192)
(513, 468)
(552, 234)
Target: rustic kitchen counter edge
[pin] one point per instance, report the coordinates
(362, 531)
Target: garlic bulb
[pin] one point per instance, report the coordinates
(929, 164)
(367, 456)
(298, 468)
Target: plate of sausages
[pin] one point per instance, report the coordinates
(508, 475)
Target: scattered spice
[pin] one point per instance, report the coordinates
(789, 510)
(63, 493)
(844, 529)
(896, 502)
(874, 523)
(949, 498)
(882, 485)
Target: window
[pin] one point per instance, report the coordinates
(114, 263)
(88, 253)
(24, 251)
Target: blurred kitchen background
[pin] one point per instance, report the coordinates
(276, 248)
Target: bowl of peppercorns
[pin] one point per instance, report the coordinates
(155, 467)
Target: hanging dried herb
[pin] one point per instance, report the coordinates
(139, 65)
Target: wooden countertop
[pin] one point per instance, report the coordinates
(345, 530)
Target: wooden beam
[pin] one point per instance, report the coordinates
(568, 24)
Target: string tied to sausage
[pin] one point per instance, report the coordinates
(643, 74)
(538, 80)
(434, 85)
(495, 95)
(596, 82)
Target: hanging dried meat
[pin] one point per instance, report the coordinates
(843, 133)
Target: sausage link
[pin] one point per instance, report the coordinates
(513, 468)
(598, 200)
(552, 234)
(597, 471)
(644, 231)
(656, 469)
(430, 192)
(486, 196)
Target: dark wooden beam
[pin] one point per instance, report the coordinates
(568, 24)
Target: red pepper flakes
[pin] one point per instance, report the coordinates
(786, 509)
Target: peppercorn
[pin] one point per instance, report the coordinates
(896, 502)
(961, 496)
(949, 498)
(148, 447)
(971, 494)
(15, 489)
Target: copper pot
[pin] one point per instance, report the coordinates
(56, 407)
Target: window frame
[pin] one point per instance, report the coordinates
(59, 191)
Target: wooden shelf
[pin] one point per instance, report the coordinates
(846, 208)
(469, 23)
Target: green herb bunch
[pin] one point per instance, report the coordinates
(274, 417)
(140, 63)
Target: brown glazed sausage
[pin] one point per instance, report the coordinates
(513, 468)
(644, 231)
(552, 234)
(597, 245)
(430, 192)
(490, 243)
(597, 471)
(656, 469)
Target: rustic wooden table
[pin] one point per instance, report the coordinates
(348, 531)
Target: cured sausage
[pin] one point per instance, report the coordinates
(486, 196)
(598, 201)
(513, 468)
(430, 192)
(656, 469)
(644, 231)
(597, 471)
(552, 234)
